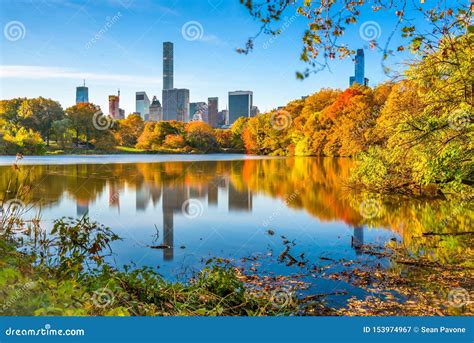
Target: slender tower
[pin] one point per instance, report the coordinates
(359, 70)
(168, 65)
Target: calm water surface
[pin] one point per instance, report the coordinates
(217, 206)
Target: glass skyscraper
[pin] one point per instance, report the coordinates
(240, 105)
(82, 94)
(359, 72)
(142, 104)
(168, 69)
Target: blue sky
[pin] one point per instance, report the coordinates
(56, 51)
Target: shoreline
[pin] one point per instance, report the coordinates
(9, 160)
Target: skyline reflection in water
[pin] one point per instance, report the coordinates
(207, 209)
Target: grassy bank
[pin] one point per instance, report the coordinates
(65, 274)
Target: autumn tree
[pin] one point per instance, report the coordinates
(237, 129)
(425, 127)
(154, 134)
(200, 136)
(9, 113)
(129, 130)
(174, 142)
(224, 138)
(307, 123)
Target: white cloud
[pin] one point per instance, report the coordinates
(42, 72)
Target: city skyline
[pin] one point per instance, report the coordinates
(176, 104)
(37, 66)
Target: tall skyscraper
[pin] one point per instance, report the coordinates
(240, 105)
(213, 109)
(168, 68)
(156, 112)
(359, 72)
(176, 104)
(142, 104)
(175, 101)
(82, 94)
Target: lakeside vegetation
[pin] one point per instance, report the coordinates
(70, 270)
(63, 273)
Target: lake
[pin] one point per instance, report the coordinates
(246, 209)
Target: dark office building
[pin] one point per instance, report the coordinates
(213, 110)
(176, 104)
(168, 65)
(240, 105)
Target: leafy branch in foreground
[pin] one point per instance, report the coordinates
(329, 20)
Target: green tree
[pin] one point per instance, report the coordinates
(39, 114)
(82, 119)
(62, 132)
(91, 125)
